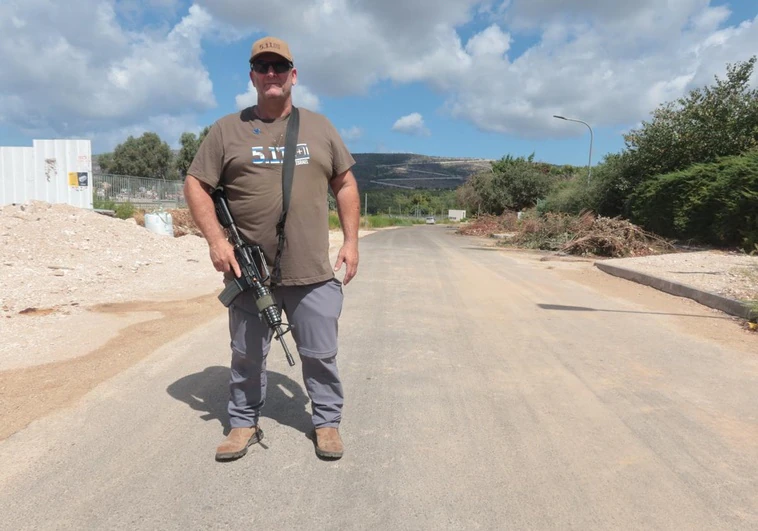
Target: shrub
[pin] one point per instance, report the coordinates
(714, 203)
(334, 221)
(125, 210)
(568, 197)
(103, 204)
(377, 221)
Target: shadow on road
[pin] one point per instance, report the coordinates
(586, 309)
(208, 392)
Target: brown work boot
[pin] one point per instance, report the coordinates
(329, 443)
(236, 443)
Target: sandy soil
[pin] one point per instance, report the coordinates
(83, 296)
(729, 274)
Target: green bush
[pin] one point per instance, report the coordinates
(103, 204)
(568, 197)
(377, 221)
(714, 203)
(124, 210)
(381, 221)
(334, 221)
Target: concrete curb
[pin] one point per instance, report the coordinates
(730, 306)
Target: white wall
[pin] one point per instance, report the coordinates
(16, 174)
(55, 171)
(456, 215)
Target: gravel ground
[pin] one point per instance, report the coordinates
(731, 275)
(59, 261)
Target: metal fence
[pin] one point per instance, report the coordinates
(142, 192)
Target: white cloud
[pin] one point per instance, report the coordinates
(610, 63)
(301, 97)
(349, 135)
(71, 68)
(168, 127)
(490, 42)
(411, 124)
(247, 99)
(75, 68)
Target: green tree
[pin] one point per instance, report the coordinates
(105, 161)
(419, 203)
(710, 122)
(146, 156)
(402, 202)
(517, 183)
(190, 144)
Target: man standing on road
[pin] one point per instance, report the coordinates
(243, 152)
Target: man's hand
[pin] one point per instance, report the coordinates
(222, 256)
(349, 255)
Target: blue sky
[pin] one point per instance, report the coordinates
(458, 78)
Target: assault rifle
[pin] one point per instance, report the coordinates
(252, 264)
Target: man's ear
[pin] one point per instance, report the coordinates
(294, 77)
(252, 78)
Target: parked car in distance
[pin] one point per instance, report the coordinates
(430, 220)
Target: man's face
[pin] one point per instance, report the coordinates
(266, 80)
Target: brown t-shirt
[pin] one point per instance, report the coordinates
(244, 154)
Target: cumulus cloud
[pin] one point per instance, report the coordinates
(302, 96)
(71, 68)
(610, 63)
(411, 124)
(352, 134)
(168, 127)
(75, 67)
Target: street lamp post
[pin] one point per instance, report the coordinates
(589, 165)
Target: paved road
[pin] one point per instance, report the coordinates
(482, 393)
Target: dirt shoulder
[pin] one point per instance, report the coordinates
(85, 296)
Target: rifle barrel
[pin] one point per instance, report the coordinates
(280, 337)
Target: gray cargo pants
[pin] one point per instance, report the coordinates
(313, 311)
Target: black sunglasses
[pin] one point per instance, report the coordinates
(280, 67)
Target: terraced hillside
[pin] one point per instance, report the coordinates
(409, 171)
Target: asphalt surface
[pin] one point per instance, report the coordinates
(482, 393)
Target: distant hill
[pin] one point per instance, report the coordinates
(403, 170)
(409, 171)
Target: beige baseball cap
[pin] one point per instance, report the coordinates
(271, 45)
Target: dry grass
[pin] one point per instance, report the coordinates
(183, 222)
(488, 225)
(585, 235)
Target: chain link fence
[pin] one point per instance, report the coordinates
(142, 192)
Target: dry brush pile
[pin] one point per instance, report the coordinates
(585, 235)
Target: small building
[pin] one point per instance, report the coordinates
(456, 215)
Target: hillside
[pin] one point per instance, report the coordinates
(409, 171)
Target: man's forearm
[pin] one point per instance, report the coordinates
(203, 211)
(349, 211)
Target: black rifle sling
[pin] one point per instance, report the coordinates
(288, 174)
